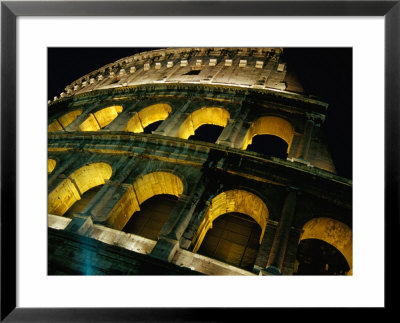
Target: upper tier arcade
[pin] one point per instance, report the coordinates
(260, 68)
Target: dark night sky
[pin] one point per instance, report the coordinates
(323, 72)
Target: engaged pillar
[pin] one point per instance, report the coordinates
(173, 229)
(305, 148)
(277, 254)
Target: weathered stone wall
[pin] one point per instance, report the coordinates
(259, 68)
(73, 254)
(244, 107)
(197, 165)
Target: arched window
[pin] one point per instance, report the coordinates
(207, 132)
(149, 118)
(75, 185)
(100, 119)
(325, 248)
(153, 214)
(145, 206)
(65, 120)
(204, 116)
(234, 221)
(269, 145)
(51, 164)
(272, 127)
(234, 239)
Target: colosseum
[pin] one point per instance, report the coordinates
(194, 161)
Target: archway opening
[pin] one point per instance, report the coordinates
(269, 145)
(233, 239)
(149, 118)
(69, 117)
(204, 116)
(332, 232)
(317, 257)
(144, 188)
(75, 185)
(270, 125)
(152, 127)
(79, 205)
(62, 122)
(207, 133)
(240, 205)
(100, 119)
(153, 214)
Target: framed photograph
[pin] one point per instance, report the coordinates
(203, 155)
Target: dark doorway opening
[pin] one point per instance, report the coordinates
(152, 126)
(207, 133)
(153, 214)
(269, 145)
(234, 239)
(316, 257)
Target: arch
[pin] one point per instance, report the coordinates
(65, 120)
(51, 164)
(69, 117)
(157, 183)
(233, 201)
(234, 239)
(270, 125)
(206, 115)
(144, 187)
(147, 116)
(153, 214)
(100, 119)
(75, 185)
(333, 232)
(85, 199)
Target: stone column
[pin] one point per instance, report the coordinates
(170, 125)
(236, 132)
(306, 141)
(52, 182)
(277, 254)
(173, 229)
(225, 138)
(121, 120)
(99, 207)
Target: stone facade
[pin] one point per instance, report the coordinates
(97, 138)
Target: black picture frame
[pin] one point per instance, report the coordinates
(10, 10)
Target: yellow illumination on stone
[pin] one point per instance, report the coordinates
(56, 149)
(54, 126)
(233, 201)
(206, 115)
(67, 118)
(105, 116)
(270, 126)
(51, 164)
(62, 122)
(90, 124)
(157, 183)
(147, 116)
(123, 209)
(333, 232)
(72, 188)
(144, 188)
(100, 119)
